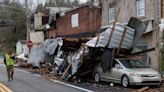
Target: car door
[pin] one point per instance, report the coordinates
(116, 71)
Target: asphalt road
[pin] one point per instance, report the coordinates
(28, 82)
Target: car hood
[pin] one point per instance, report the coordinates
(143, 71)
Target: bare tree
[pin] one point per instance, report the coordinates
(62, 3)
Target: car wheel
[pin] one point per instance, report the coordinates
(97, 77)
(125, 81)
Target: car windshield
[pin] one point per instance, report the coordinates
(133, 64)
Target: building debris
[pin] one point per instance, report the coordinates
(142, 89)
(74, 58)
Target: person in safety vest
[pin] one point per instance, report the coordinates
(9, 62)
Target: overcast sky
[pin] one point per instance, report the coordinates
(35, 2)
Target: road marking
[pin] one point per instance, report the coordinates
(73, 86)
(22, 70)
(4, 88)
(37, 75)
(56, 81)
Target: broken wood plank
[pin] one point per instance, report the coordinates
(110, 36)
(142, 89)
(97, 39)
(144, 51)
(123, 35)
(84, 73)
(69, 66)
(77, 39)
(82, 55)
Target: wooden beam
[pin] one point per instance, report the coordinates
(142, 89)
(69, 66)
(82, 55)
(144, 51)
(84, 73)
(97, 39)
(123, 35)
(110, 36)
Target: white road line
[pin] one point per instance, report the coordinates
(37, 75)
(56, 81)
(22, 70)
(73, 86)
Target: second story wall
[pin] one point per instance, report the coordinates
(79, 20)
(128, 8)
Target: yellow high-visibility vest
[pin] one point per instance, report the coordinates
(9, 61)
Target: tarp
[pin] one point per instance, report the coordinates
(50, 45)
(106, 60)
(37, 55)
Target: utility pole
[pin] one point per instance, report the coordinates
(27, 20)
(162, 9)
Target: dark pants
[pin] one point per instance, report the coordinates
(10, 71)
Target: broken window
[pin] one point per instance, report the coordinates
(45, 20)
(140, 8)
(140, 47)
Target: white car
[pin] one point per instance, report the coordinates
(128, 72)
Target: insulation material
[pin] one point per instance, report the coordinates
(50, 45)
(76, 61)
(115, 39)
(37, 56)
(58, 61)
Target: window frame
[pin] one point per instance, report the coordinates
(140, 11)
(111, 16)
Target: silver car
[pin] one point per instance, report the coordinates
(128, 72)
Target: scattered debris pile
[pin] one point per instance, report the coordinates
(72, 58)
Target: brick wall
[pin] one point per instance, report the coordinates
(89, 21)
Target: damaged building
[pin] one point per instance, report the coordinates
(146, 10)
(84, 21)
(93, 33)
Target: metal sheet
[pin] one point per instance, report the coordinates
(116, 38)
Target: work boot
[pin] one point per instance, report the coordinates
(8, 79)
(11, 77)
